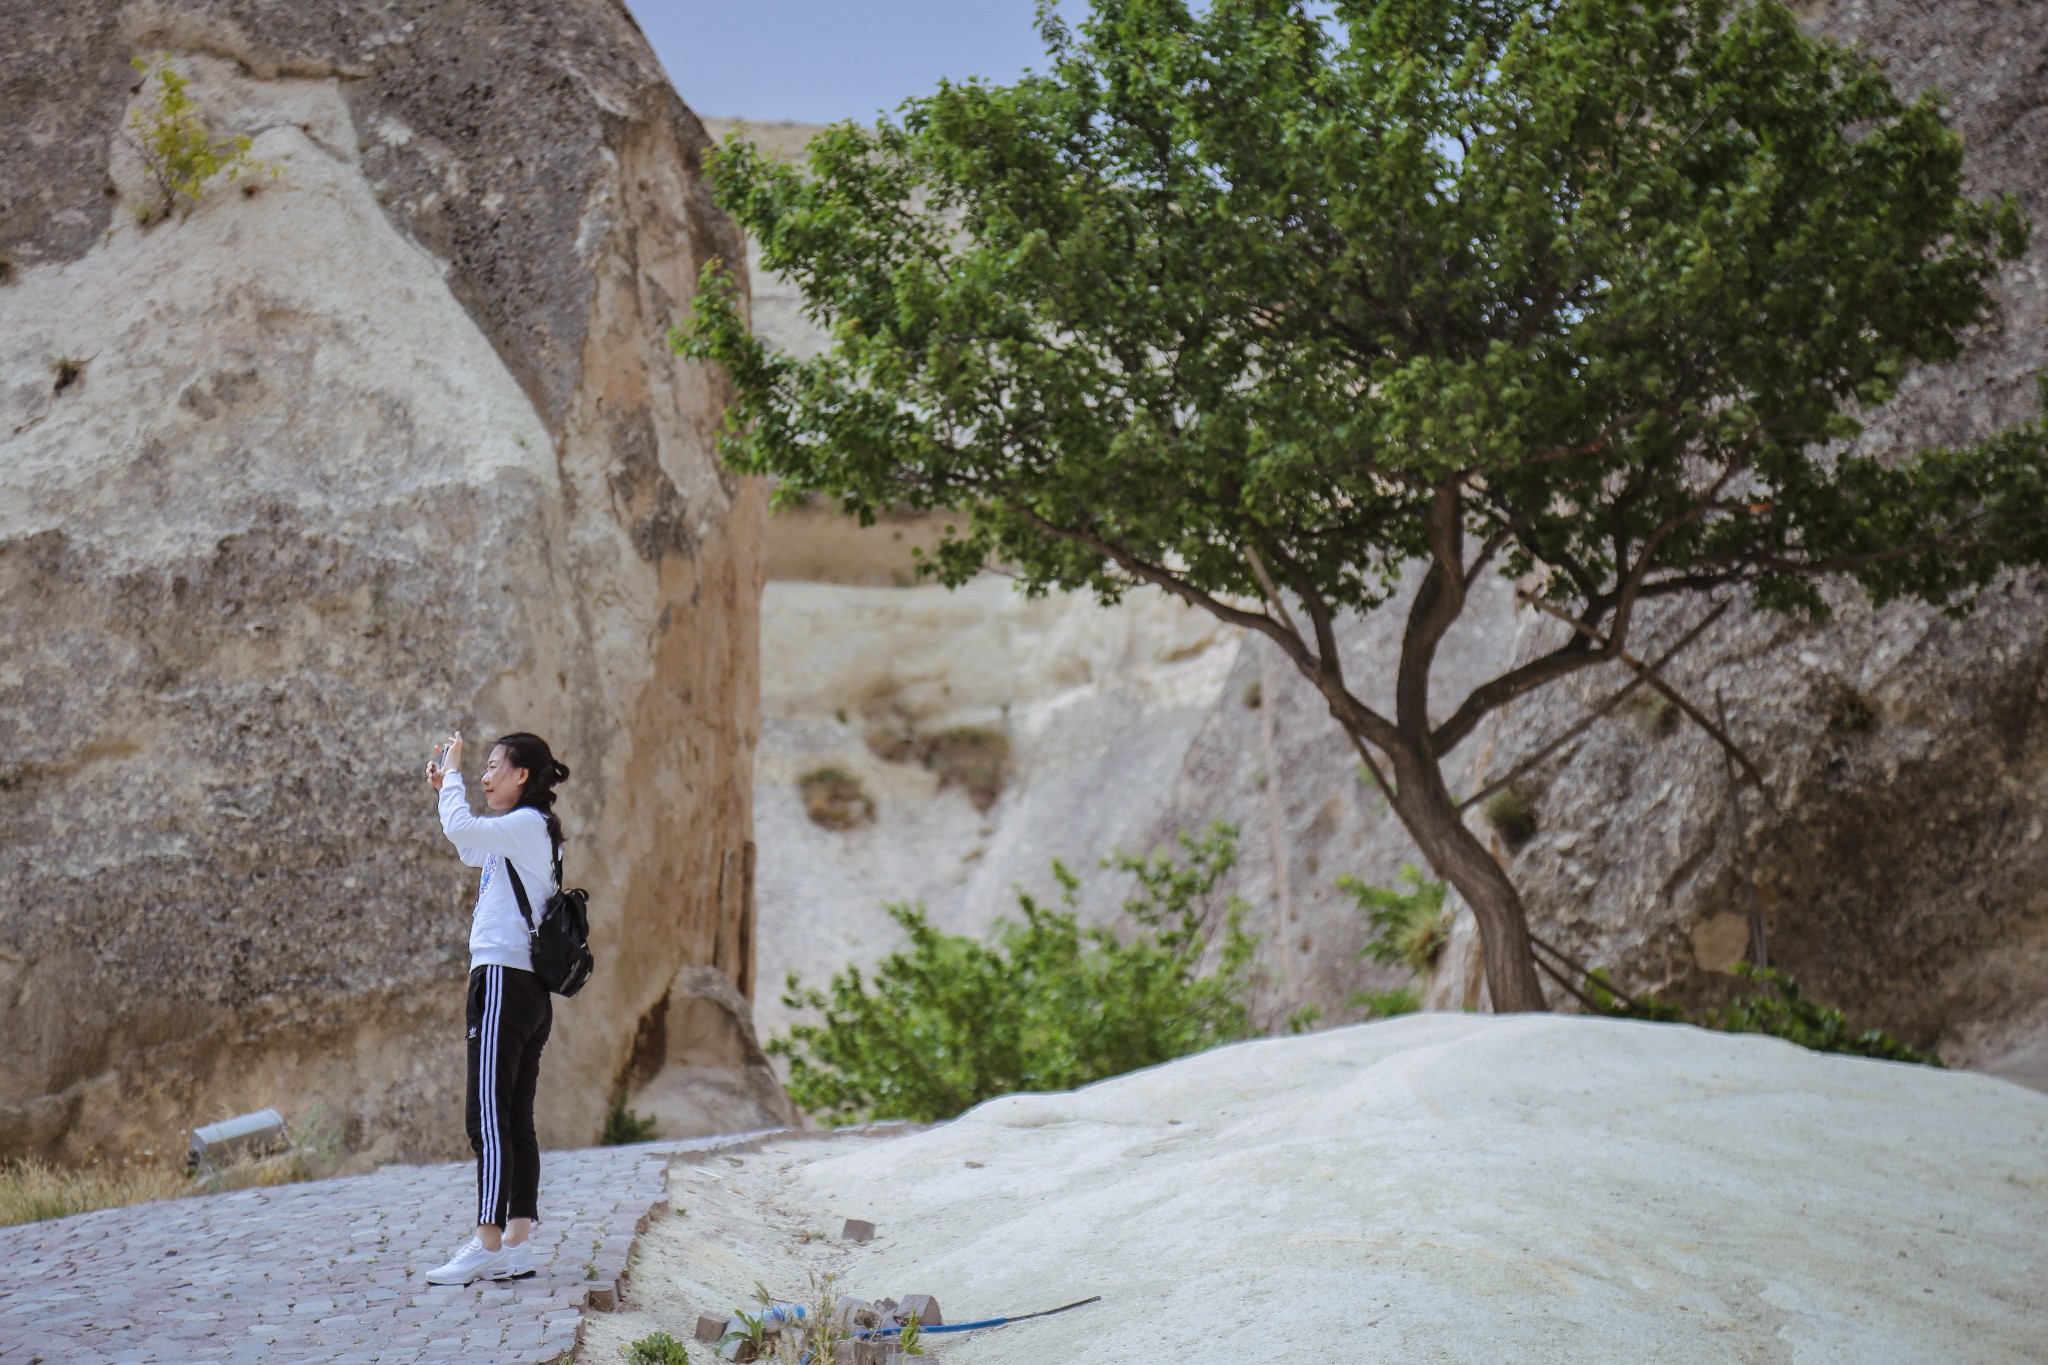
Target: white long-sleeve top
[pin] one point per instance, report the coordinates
(497, 932)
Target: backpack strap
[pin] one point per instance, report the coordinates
(519, 890)
(519, 887)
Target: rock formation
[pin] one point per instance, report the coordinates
(292, 481)
(1440, 1188)
(698, 1069)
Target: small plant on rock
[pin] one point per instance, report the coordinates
(658, 1348)
(1656, 711)
(68, 369)
(835, 799)
(1851, 714)
(1408, 921)
(623, 1127)
(1512, 811)
(178, 148)
(971, 757)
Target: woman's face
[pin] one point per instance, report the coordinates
(502, 781)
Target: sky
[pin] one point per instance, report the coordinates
(819, 60)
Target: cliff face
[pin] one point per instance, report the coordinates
(1903, 871)
(390, 445)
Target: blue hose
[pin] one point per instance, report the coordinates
(976, 1326)
(872, 1332)
(934, 1331)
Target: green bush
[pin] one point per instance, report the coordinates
(1387, 1004)
(1409, 926)
(1409, 930)
(1777, 1008)
(949, 1021)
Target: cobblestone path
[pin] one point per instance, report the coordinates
(326, 1273)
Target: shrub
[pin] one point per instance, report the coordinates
(835, 799)
(950, 1021)
(1409, 926)
(176, 146)
(1777, 1008)
(623, 1127)
(1386, 1004)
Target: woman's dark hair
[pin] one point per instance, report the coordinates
(543, 774)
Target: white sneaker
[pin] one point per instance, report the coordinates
(473, 1262)
(518, 1263)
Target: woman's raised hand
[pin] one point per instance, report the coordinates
(450, 755)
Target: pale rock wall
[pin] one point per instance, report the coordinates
(1098, 708)
(392, 445)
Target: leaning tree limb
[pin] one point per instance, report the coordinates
(1585, 723)
(1670, 693)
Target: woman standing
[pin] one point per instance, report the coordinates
(509, 1009)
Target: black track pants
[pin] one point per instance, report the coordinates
(509, 1018)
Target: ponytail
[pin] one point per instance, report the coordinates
(544, 772)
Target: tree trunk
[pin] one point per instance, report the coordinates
(1455, 853)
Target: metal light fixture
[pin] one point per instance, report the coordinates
(257, 1134)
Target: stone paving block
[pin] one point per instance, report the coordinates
(261, 1276)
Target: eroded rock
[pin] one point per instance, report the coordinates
(391, 445)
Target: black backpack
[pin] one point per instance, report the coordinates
(560, 943)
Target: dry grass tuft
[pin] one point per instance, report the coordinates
(32, 1191)
(835, 799)
(969, 757)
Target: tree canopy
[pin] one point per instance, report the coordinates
(1270, 306)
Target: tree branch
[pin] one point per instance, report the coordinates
(1586, 722)
(1670, 693)
(1376, 727)
(1438, 602)
(1566, 659)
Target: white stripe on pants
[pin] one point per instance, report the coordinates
(487, 1097)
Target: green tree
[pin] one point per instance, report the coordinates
(950, 1021)
(1270, 308)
